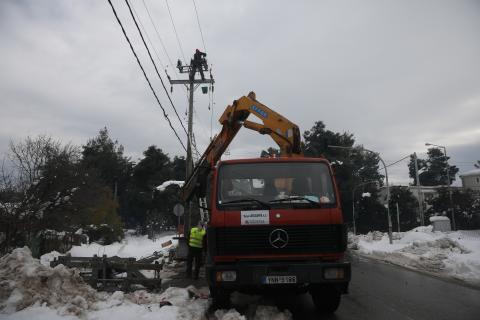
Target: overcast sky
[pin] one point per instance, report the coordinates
(396, 74)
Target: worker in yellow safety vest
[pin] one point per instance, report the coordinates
(195, 249)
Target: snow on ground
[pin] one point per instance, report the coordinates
(130, 246)
(452, 254)
(24, 281)
(31, 289)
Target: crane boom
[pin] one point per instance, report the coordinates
(285, 133)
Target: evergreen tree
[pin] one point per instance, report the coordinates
(370, 215)
(351, 167)
(408, 207)
(465, 204)
(153, 169)
(179, 168)
(270, 152)
(105, 156)
(433, 169)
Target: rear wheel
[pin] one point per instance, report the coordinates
(326, 299)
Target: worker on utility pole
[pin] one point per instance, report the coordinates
(195, 249)
(197, 63)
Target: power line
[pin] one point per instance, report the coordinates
(161, 42)
(194, 143)
(175, 30)
(148, 38)
(393, 163)
(145, 75)
(158, 34)
(204, 132)
(155, 66)
(199, 26)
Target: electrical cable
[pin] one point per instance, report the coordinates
(145, 75)
(393, 163)
(199, 26)
(148, 37)
(158, 34)
(162, 43)
(194, 143)
(155, 66)
(175, 30)
(204, 132)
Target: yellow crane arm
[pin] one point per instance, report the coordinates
(285, 133)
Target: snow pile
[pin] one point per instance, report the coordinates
(453, 254)
(33, 290)
(24, 281)
(49, 257)
(120, 306)
(131, 246)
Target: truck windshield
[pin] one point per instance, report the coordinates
(282, 184)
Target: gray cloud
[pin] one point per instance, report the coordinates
(396, 74)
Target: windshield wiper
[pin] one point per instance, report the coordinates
(243, 200)
(289, 199)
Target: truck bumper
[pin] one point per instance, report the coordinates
(253, 275)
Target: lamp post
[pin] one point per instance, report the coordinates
(353, 202)
(388, 188)
(447, 167)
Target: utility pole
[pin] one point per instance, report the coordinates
(191, 84)
(398, 218)
(419, 192)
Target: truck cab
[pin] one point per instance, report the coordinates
(276, 224)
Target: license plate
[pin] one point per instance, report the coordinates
(279, 279)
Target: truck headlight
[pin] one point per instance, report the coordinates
(333, 273)
(226, 276)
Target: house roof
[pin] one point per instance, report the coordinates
(470, 173)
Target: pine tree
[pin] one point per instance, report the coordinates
(408, 207)
(351, 168)
(105, 156)
(433, 169)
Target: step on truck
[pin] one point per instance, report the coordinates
(275, 223)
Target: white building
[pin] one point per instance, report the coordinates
(471, 180)
(427, 193)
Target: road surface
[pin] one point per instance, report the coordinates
(379, 291)
(383, 291)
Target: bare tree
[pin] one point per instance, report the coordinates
(24, 194)
(30, 155)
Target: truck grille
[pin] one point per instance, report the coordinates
(301, 239)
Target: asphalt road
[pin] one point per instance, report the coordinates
(383, 291)
(379, 291)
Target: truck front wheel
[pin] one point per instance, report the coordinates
(326, 299)
(220, 298)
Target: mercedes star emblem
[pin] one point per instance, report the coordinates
(278, 238)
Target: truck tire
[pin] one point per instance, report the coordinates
(326, 300)
(220, 298)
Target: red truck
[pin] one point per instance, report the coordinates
(274, 223)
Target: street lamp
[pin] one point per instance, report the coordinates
(388, 188)
(447, 167)
(353, 202)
